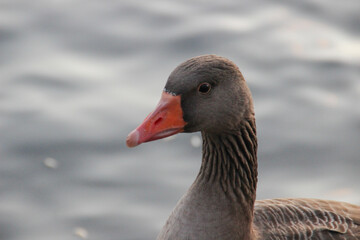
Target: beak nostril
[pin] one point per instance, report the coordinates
(158, 121)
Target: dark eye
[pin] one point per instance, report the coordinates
(204, 88)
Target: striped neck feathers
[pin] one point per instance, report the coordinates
(230, 159)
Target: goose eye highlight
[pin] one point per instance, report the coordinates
(204, 88)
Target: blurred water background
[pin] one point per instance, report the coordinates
(77, 76)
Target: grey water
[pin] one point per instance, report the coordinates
(77, 76)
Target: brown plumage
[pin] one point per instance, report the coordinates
(285, 219)
(210, 95)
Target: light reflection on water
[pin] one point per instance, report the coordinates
(76, 77)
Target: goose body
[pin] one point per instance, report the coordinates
(307, 219)
(209, 94)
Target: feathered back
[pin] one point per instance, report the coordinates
(286, 219)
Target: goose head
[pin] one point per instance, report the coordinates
(206, 93)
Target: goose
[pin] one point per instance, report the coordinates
(209, 94)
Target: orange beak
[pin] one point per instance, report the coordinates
(164, 121)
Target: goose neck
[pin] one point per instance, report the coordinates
(229, 160)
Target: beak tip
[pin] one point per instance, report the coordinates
(132, 139)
